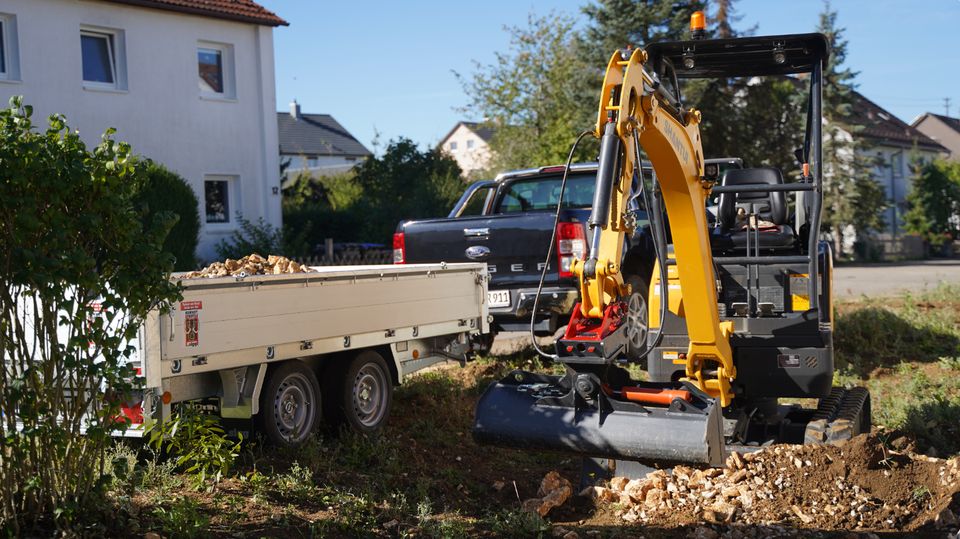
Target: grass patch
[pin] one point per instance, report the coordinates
(906, 350)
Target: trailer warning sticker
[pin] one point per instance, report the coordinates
(191, 305)
(191, 322)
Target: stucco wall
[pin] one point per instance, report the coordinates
(937, 130)
(161, 112)
(469, 159)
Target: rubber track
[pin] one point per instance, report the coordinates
(839, 416)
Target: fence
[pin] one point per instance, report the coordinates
(350, 258)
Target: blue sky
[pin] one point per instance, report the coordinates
(387, 66)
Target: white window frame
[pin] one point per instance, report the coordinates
(229, 92)
(453, 146)
(233, 201)
(470, 144)
(11, 51)
(117, 51)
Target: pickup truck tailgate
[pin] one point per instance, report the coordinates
(513, 246)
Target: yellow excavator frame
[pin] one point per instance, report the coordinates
(673, 147)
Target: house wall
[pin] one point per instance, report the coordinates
(469, 159)
(892, 170)
(934, 128)
(161, 111)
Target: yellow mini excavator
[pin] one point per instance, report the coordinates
(739, 300)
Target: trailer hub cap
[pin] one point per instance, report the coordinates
(369, 394)
(294, 407)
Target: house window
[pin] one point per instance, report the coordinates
(453, 146)
(215, 70)
(470, 144)
(102, 55)
(220, 199)
(3, 48)
(211, 70)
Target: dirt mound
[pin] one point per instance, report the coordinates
(249, 265)
(858, 484)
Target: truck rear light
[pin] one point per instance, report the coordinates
(399, 248)
(571, 243)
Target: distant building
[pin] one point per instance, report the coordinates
(469, 144)
(316, 144)
(188, 83)
(943, 129)
(891, 143)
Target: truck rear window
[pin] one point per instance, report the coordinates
(542, 193)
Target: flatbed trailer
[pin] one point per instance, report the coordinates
(287, 350)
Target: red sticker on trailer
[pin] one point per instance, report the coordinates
(191, 305)
(191, 328)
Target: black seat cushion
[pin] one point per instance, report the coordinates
(768, 206)
(781, 238)
(730, 235)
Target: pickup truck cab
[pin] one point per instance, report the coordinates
(507, 224)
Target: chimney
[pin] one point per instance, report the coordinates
(295, 110)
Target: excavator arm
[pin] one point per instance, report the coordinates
(634, 112)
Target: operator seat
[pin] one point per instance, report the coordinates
(730, 234)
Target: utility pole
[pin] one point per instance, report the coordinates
(946, 106)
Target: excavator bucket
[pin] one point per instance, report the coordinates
(533, 411)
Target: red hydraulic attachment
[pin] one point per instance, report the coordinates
(650, 395)
(582, 328)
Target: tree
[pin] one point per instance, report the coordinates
(934, 202)
(165, 191)
(852, 199)
(403, 183)
(79, 270)
(529, 97)
(615, 24)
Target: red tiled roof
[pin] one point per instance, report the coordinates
(881, 126)
(234, 10)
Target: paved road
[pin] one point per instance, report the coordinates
(854, 280)
(849, 281)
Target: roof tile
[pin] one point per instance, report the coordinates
(236, 10)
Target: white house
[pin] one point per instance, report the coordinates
(188, 83)
(469, 144)
(891, 144)
(316, 144)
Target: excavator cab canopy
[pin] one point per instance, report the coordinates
(742, 56)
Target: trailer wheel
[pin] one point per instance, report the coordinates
(290, 404)
(637, 320)
(362, 391)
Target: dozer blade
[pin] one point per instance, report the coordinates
(533, 411)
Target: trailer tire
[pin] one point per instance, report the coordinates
(290, 406)
(360, 394)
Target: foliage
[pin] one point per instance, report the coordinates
(529, 97)
(614, 24)
(182, 519)
(935, 203)
(260, 237)
(199, 444)
(403, 183)
(79, 273)
(851, 197)
(165, 191)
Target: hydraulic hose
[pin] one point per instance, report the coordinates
(553, 239)
(656, 226)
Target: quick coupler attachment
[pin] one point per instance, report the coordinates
(663, 422)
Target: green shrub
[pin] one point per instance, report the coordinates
(199, 444)
(261, 238)
(165, 191)
(79, 275)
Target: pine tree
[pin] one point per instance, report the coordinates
(852, 199)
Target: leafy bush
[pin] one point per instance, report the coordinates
(165, 191)
(935, 203)
(260, 237)
(366, 205)
(80, 272)
(199, 444)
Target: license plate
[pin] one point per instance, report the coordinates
(498, 298)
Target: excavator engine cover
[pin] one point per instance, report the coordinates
(577, 415)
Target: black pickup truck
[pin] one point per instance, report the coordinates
(507, 223)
